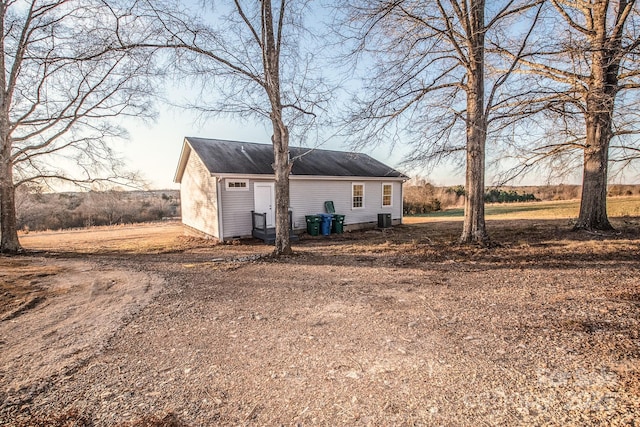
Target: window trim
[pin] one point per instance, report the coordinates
(229, 181)
(353, 185)
(390, 205)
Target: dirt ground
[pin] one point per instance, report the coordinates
(140, 326)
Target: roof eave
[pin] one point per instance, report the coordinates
(182, 163)
(314, 177)
(348, 178)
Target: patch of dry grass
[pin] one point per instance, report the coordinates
(617, 207)
(132, 239)
(514, 242)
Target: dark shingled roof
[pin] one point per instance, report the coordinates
(248, 158)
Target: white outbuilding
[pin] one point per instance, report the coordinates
(222, 183)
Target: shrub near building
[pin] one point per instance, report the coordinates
(420, 198)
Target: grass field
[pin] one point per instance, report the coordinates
(563, 209)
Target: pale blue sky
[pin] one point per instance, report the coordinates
(153, 148)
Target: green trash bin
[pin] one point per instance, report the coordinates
(328, 206)
(313, 224)
(338, 224)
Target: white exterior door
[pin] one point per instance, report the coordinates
(264, 200)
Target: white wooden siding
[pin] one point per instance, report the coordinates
(198, 199)
(308, 197)
(396, 200)
(236, 212)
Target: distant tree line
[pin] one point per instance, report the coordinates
(421, 197)
(53, 211)
(501, 196)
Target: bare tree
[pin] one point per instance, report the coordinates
(582, 72)
(432, 87)
(60, 83)
(248, 58)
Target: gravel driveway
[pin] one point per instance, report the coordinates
(394, 328)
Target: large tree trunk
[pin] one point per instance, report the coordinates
(280, 138)
(600, 101)
(593, 202)
(8, 227)
(282, 169)
(474, 230)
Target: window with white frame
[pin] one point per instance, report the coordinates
(357, 195)
(237, 184)
(387, 194)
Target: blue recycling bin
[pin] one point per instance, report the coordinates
(325, 224)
